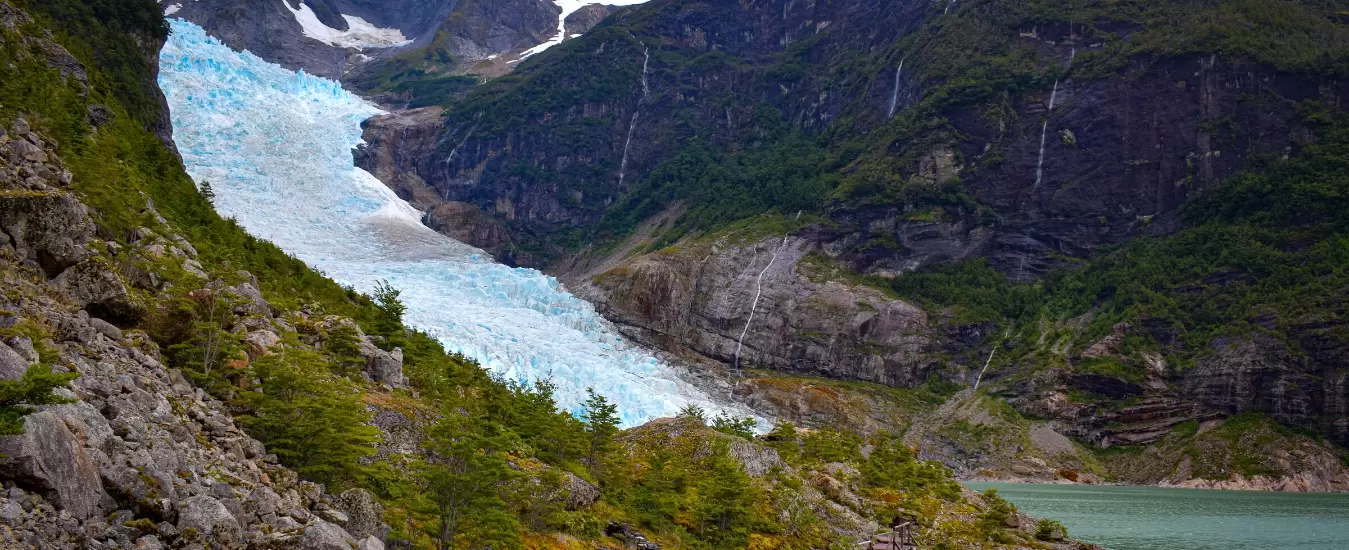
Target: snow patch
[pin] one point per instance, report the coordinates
(569, 7)
(172, 9)
(360, 33)
(276, 147)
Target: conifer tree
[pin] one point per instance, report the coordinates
(343, 349)
(725, 497)
(18, 397)
(389, 321)
(463, 475)
(313, 422)
(601, 419)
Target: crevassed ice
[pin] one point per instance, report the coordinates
(359, 34)
(569, 7)
(276, 147)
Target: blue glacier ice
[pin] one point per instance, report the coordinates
(276, 147)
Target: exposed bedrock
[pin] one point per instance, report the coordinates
(699, 298)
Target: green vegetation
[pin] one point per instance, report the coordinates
(424, 76)
(311, 418)
(18, 397)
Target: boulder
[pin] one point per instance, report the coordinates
(326, 536)
(250, 299)
(580, 493)
(49, 457)
(24, 347)
(370, 543)
(365, 515)
(107, 329)
(49, 228)
(12, 365)
(94, 286)
(260, 342)
(209, 518)
(385, 366)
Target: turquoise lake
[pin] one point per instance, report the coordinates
(1152, 518)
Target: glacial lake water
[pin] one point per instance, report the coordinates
(1153, 518)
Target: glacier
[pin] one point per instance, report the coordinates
(276, 147)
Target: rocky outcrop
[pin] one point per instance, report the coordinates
(585, 18)
(52, 458)
(1260, 374)
(701, 296)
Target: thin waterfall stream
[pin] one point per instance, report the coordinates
(1044, 129)
(632, 125)
(894, 95)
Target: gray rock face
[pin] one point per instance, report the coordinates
(51, 456)
(209, 518)
(49, 228)
(582, 20)
(1260, 374)
(580, 493)
(699, 298)
(12, 365)
(326, 536)
(387, 367)
(107, 329)
(365, 515)
(92, 285)
(473, 30)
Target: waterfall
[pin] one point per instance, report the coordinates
(985, 369)
(1040, 165)
(632, 125)
(758, 291)
(449, 158)
(1044, 130)
(894, 96)
(948, 7)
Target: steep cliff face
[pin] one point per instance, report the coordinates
(556, 145)
(1122, 148)
(759, 302)
(1261, 374)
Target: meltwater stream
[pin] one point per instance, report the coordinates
(276, 147)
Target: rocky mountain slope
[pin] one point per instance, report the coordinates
(1076, 204)
(138, 457)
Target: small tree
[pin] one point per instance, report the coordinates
(18, 397)
(726, 495)
(206, 192)
(601, 419)
(727, 424)
(389, 321)
(314, 423)
(463, 474)
(208, 344)
(693, 411)
(343, 349)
